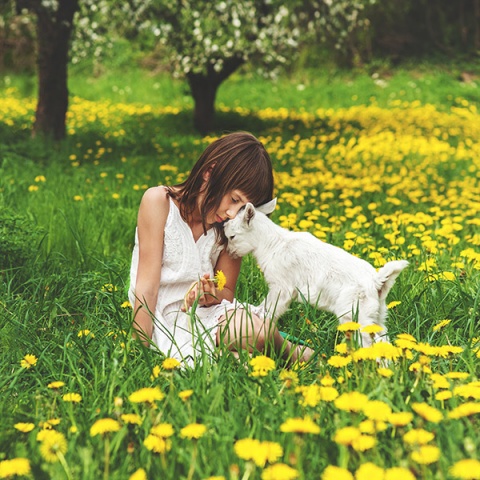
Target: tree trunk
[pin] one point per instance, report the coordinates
(204, 91)
(53, 40)
(204, 88)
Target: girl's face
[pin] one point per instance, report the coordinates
(230, 205)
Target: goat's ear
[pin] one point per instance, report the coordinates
(269, 207)
(249, 213)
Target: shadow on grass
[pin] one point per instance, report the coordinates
(143, 135)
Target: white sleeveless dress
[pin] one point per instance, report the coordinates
(184, 262)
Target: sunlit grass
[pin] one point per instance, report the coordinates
(384, 180)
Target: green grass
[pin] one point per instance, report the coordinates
(351, 156)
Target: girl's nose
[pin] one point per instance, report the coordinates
(232, 212)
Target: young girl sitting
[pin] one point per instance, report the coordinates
(179, 246)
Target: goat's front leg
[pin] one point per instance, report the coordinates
(277, 301)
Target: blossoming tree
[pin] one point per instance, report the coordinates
(204, 41)
(208, 41)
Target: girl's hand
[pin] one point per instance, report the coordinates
(204, 290)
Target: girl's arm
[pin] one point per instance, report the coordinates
(152, 217)
(231, 268)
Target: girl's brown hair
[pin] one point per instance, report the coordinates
(237, 161)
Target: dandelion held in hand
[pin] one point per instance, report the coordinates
(220, 279)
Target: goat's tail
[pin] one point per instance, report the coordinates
(386, 276)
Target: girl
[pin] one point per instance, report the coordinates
(179, 245)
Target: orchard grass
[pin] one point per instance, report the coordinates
(384, 174)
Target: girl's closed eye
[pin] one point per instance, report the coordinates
(235, 200)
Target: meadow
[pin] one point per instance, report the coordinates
(385, 166)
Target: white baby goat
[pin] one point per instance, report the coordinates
(297, 263)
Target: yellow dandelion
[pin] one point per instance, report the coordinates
(336, 473)
(279, 471)
(393, 304)
(262, 365)
(369, 471)
(72, 397)
(339, 362)
(156, 370)
(439, 381)
(400, 419)
(109, 287)
(457, 375)
(185, 394)
(470, 390)
(351, 401)
(372, 329)
(157, 444)
(398, 473)
(349, 327)
(193, 431)
(50, 423)
(363, 443)
(245, 448)
(385, 372)
(146, 395)
(426, 454)
(289, 377)
(465, 410)
(170, 364)
(346, 435)
(24, 427)
(131, 418)
(15, 466)
(418, 436)
(377, 410)
(341, 348)
(56, 385)
(429, 413)
(163, 430)
(467, 469)
(220, 280)
(299, 425)
(126, 304)
(53, 445)
(267, 452)
(407, 337)
(104, 425)
(85, 333)
(139, 474)
(28, 361)
(443, 395)
(327, 380)
(440, 325)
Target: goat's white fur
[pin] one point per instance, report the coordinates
(297, 264)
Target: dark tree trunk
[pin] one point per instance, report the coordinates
(204, 91)
(53, 42)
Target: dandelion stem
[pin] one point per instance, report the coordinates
(248, 470)
(106, 470)
(194, 461)
(64, 463)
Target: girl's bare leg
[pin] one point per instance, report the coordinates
(242, 330)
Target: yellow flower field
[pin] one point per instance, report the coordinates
(85, 400)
